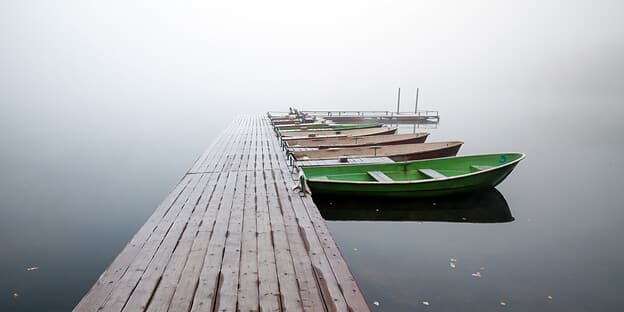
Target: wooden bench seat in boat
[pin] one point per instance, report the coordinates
(379, 176)
(432, 173)
(479, 168)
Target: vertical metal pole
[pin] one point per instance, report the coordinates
(416, 104)
(399, 101)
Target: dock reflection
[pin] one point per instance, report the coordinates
(487, 206)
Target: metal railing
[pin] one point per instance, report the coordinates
(359, 113)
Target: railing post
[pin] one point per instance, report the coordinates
(398, 101)
(416, 104)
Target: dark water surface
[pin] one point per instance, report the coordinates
(74, 190)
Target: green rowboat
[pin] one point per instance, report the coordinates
(419, 178)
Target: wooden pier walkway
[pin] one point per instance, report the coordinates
(231, 236)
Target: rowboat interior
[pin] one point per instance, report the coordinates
(376, 151)
(350, 140)
(433, 169)
(350, 132)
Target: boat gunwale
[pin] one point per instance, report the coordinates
(398, 138)
(390, 149)
(381, 131)
(522, 156)
(330, 128)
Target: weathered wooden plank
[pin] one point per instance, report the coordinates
(185, 290)
(228, 286)
(230, 267)
(309, 291)
(269, 296)
(248, 290)
(289, 288)
(205, 294)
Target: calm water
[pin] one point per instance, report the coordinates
(72, 196)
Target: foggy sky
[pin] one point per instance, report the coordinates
(239, 55)
(167, 70)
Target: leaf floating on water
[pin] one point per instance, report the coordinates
(476, 274)
(503, 303)
(33, 268)
(376, 303)
(425, 303)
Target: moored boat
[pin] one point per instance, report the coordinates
(399, 152)
(327, 127)
(296, 135)
(420, 178)
(299, 125)
(321, 143)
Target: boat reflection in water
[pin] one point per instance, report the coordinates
(488, 206)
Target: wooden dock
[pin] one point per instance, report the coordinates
(231, 236)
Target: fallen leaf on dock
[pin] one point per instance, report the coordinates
(477, 274)
(33, 268)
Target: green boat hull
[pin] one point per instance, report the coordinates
(460, 175)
